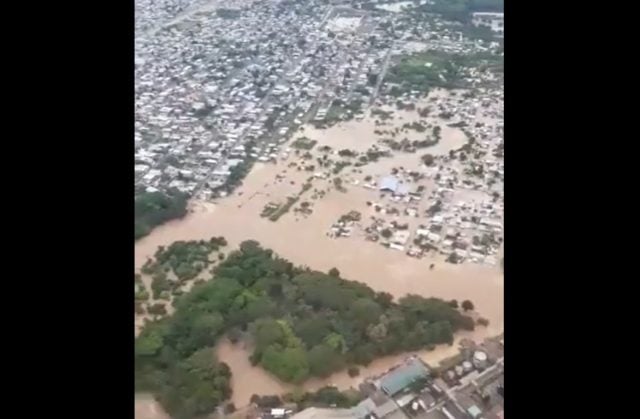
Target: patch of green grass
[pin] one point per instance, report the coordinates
(269, 209)
(304, 143)
(283, 209)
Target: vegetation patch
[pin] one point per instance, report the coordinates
(141, 293)
(326, 397)
(269, 209)
(337, 168)
(281, 210)
(185, 259)
(302, 324)
(424, 71)
(155, 208)
(284, 208)
(304, 143)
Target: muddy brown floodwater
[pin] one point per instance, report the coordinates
(263, 383)
(147, 408)
(303, 241)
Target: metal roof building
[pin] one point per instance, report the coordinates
(398, 379)
(318, 413)
(389, 183)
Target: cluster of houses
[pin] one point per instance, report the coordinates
(216, 88)
(407, 390)
(494, 21)
(460, 205)
(412, 389)
(476, 382)
(408, 220)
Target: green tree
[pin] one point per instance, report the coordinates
(467, 305)
(288, 364)
(363, 354)
(441, 332)
(365, 311)
(234, 335)
(150, 341)
(159, 284)
(428, 159)
(483, 322)
(260, 308)
(157, 309)
(155, 208)
(266, 333)
(211, 296)
(313, 330)
(323, 360)
(377, 332)
(195, 386)
(384, 299)
(205, 330)
(336, 342)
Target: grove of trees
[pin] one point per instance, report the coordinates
(302, 324)
(467, 305)
(155, 208)
(461, 10)
(426, 70)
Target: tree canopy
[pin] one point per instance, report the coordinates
(461, 10)
(155, 208)
(302, 324)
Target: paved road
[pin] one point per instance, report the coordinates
(385, 67)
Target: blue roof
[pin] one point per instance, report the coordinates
(389, 183)
(398, 379)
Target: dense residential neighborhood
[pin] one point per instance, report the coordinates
(470, 386)
(319, 200)
(219, 88)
